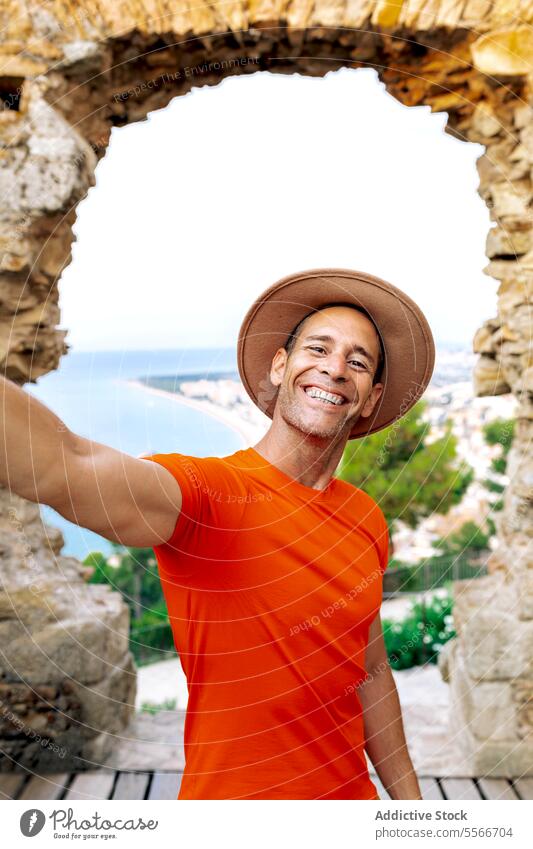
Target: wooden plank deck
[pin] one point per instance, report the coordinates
(98, 784)
(104, 784)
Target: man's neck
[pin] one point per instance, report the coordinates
(310, 461)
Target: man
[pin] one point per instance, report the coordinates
(271, 567)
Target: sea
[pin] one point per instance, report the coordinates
(90, 395)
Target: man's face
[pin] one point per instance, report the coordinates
(336, 352)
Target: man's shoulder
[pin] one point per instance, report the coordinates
(229, 464)
(209, 461)
(199, 470)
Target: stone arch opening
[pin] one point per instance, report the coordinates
(80, 76)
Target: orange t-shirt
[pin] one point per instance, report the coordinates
(271, 587)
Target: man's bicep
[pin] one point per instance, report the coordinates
(185, 471)
(120, 497)
(162, 510)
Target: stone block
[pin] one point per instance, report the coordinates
(523, 115)
(522, 691)
(511, 243)
(499, 759)
(489, 378)
(497, 646)
(526, 384)
(515, 291)
(514, 528)
(96, 750)
(524, 586)
(526, 138)
(475, 594)
(488, 710)
(84, 649)
(505, 51)
(109, 704)
(484, 340)
(504, 160)
(511, 199)
(484, 122)
(445, 660)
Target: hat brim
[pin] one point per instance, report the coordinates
(405, 334)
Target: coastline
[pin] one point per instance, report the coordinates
(246, 431)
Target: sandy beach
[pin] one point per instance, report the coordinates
(247, 432)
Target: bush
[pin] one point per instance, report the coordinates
(419, 637)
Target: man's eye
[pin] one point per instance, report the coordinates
(316, 348)
(359, 363)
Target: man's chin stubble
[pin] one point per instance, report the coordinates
(343, 426)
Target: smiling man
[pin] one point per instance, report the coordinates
(275, 604)
(271, 566)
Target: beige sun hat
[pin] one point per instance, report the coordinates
(405, 334)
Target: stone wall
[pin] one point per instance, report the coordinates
(490, 664)
(68, 75)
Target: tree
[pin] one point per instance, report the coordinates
(409, 476)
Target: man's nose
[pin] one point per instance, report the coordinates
(335, 365)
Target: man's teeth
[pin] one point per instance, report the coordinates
(324, 396)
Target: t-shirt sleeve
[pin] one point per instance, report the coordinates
(204, 484)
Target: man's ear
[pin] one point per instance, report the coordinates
(277, 368)
(372, 400)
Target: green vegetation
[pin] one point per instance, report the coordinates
(409, 477)
(155, 707)
(137, 579)
(419, 637)
(498, 432)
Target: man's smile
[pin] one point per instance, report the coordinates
(319, 395)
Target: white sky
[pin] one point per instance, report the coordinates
(198, 209)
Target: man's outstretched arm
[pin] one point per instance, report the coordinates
(129, 500)
(384, 733)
